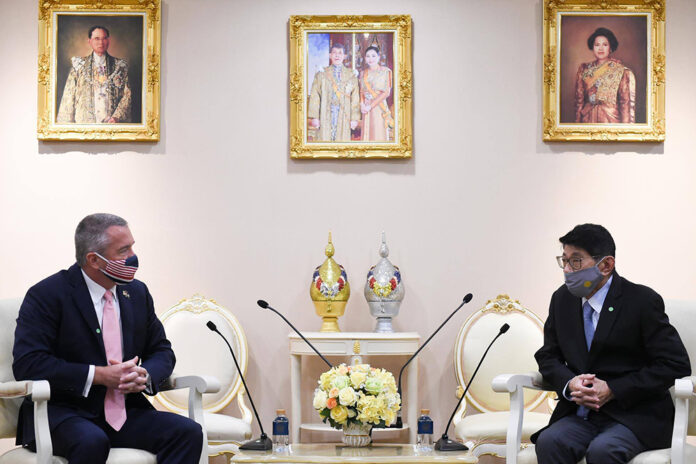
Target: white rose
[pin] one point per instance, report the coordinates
(347, 396)
(320, 398)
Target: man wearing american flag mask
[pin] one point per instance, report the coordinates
(92, 332)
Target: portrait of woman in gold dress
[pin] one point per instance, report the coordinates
(375, 87)
(605, 89)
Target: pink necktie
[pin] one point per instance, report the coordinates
(114, 401)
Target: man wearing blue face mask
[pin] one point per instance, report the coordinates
(92, 332)
(611, 355)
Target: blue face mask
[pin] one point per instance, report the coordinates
(583, 282)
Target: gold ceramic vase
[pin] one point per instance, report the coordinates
(329, 291)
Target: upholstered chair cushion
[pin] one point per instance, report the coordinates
(226, 428)
(492, 427)
(116, 456)
(528, 456)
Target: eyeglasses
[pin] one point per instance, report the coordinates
(575, 263)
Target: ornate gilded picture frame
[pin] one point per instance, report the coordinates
(350, 87)
(99, 70)
(604, 70)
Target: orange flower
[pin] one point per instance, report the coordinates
(331, 403)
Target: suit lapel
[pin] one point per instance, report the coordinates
(126, 307)
(607, 317)
(83, 302)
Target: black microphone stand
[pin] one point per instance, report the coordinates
(399, 422)
(444, 443)
(265, 305)
(263, 443)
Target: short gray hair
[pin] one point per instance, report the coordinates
(90, 234)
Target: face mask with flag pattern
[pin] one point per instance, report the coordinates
(121, 271)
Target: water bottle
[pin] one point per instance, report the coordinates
(281, 432)
(425, 431)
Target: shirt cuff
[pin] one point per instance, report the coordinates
(88, 382)
(566, 394)
(148, 385)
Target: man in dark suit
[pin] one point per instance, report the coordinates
(92, 332)
(611, 355)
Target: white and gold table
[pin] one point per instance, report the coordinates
(353, 345)
(339, 454)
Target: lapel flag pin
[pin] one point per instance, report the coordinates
(98, 331)
(611, 308)
(126, 294)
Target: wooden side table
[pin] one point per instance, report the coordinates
(341, 454)
(353, 345)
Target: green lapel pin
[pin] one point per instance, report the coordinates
(611, 308)
(99, 330)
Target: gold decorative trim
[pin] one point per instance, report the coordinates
(402, 147)
(654, 128)
(356, 347)
(503, 304)
(146, 131)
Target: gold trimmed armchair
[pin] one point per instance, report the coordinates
(486, 432)
(681, 315)
(12, 393)
(202, 352)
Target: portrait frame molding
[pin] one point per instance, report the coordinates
(402, 146)
(148, 129)
(653, 130)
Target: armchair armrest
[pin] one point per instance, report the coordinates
(684, 390)
(197, 385)
(514, 384)
(40, 392)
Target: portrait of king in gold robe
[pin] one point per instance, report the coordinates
(334, 100)
(97, 89)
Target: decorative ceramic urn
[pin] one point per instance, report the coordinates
(329, 291)
(384, 290)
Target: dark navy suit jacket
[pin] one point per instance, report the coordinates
(58, 338)
(635, 350)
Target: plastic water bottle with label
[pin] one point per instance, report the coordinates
(281, 430)
(425, 431)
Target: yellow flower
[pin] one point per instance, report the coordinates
(340, 414)
(333, 393)
(357, 379)
(347, 396)
(342, 369)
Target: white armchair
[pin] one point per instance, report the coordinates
(485, 433)
(681, 314)
(12, 394)
(202, 352)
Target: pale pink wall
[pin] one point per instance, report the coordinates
(218, 208)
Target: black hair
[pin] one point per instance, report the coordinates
(338, 45)
(603, 31)
(372, 47)
(93, 28)
(593, 238)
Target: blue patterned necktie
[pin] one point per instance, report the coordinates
(587, 312)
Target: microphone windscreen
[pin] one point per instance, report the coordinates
(262, 303)
(211, 326)
(504, 328)
(468, 297)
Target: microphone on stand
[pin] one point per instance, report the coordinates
(265, 305)
(263, 443)
(399, 422)
(444, 443)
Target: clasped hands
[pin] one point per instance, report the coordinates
(590, 391)
(125, 376)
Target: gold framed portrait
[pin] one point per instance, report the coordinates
(99, 70)
(350, 87)
(604, 70)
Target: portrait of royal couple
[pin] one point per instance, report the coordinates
(343, 100)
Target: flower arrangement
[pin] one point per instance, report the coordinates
(357, 394)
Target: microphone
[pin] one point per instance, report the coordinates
(444, 443)
(399, 422)
(263, 443)
(265, 305)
